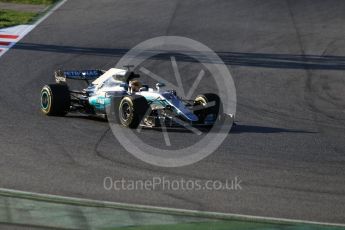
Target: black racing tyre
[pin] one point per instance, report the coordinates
(211, 103)
(131, 111)
(55, 100)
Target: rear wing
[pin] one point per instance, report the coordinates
(86, 75)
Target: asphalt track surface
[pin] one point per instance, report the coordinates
(286, 58)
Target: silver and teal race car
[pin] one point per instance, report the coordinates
(118, 94)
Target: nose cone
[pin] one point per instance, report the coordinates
(180, 107)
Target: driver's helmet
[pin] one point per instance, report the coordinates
(135, 85)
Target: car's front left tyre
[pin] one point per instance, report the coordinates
(132, 110)
(55, 100)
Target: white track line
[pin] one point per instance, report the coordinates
(171, 211)
(52, 10)
(22, 30)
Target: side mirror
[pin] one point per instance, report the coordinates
(159, 85)
(144, 88)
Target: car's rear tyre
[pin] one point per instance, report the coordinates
(131, 111)
(206, 104)
(55, 100)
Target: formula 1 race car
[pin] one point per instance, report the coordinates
(131, 103)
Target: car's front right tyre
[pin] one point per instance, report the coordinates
(207, 104)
